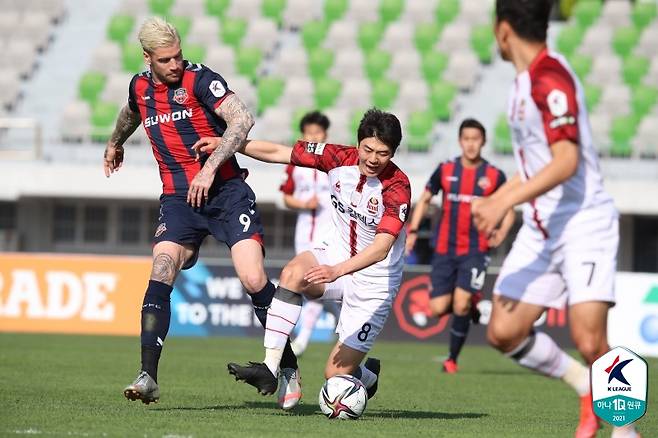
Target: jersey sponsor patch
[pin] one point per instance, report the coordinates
(557, 103)
(404, 209)
(484, 183)
(180, 96)
(373, 205)
(217, 88)
(315, 148)
(161, 229)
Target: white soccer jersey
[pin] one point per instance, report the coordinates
(312, 225)
(361, 206)
(547, 104)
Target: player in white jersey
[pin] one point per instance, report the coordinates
(566, 249)
(362, 263)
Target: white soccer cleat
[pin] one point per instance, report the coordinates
(290, 388)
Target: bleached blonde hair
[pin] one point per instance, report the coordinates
(155, 33)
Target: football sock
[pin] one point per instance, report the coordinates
(310, 313)
(367, 377)
(261, 301)
(627, 431)
(281, 319)
(156, 314)
(540, 353)
(577, 376)
(458, 333)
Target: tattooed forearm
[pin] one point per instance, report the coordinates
(239, 122)
(164, 269)
(127, 122)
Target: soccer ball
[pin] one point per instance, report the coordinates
(344, 397)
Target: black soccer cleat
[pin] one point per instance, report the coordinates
(373, 365)
(257, 375)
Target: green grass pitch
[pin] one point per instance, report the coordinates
(72, 386)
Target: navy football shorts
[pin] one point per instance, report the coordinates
(230, 216)
(465, 272)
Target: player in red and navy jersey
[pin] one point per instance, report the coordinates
(362, 263)
(461, 256)
(178, 102)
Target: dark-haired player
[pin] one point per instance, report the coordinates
(566, 250)
(178, 102)
(461, 253)
(362, 263)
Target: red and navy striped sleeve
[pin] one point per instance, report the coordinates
(323, 156)
(288, 186)
(502, 179)
(434, 184)
(396, 196)
(132, 98)
(210, 88)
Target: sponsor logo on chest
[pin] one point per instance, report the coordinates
(167, 117)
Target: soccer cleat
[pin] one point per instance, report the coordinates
(589, 423)
(475, 312)
(450, 366)
(257, 375)
(290, 388)
(375, 366)
(143, 388)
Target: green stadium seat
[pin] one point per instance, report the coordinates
(384, 92)
(482, 40)
(120, 27)
(390, 10)
(313, 33)
(624, 40)
(622, 132)
(327, 91)
(335, 9)
(446, 11)
(273, 9)
(442, 95)
(587, 12)
(355, 120)
(644, 97)
(592, 96)
(434, 64)
(319, 62)
(502, 136)
(269, 91)
(643, 13)
(377, 63)
(91, 86)
(569, 39)
(635, 68)
(426, 35)
(160, 7)
(182, 25)
(419, 130)
(132, 58)
(247, 61)
(581, 65)
(233, 31)
(103, 116)
(217, 8)
(370, 34)
(195, 53)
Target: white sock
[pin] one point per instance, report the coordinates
(627, 431)
(273, 359)
(368, 378)
(281, 319)
(540, 353)
(311, 312)
(577, 376)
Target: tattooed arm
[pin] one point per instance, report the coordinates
(127, 122)
(238, 124)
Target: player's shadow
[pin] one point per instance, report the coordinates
(419, 415)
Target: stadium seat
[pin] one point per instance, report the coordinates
(233, 31)
(327, 91)
(244, 89)
(434, 64)
(188, 8)
(455, 37)
(348, 63)
(644, 97)
(132, 58)
(261, 33)
(221, 59)
(103, 116)
(244, 9)
(335, 9)
(21, 55)
(91, 85)
(624, 40)
(339, 132)
(426, 36)
(446, 11)
(648, 45)
(621, 133)
(644, 12)
(355, 120)
(75, 122)
(362, 11)
(204, 31)
(476, 12)
(569, 39)
(217, 8)
(342, 35)
(247, 61)
(370, 33)
(606, 69)
(195, 53)
(116, 88)
(615, 100)
(384, 93)
(160, 7)
(592, 96)
(419, 130)
(269, 90)
(597, 40)
(276, 124)
(419, 11)
(273, 9)
(9, 23)
(298, 93)
(442, 95)
(107, 56)
(645, 143)
(357, 93)
(313, 33)
(320, 62)
(406, 65)
(482, 41)
(616, 13)
(292, 61)
(120, 27)
(295, 120)
(10, 82)
(136, 8)
(634, 69)
(182, 24)
(462, 70)
(600, 123)
(413, 95)
(502, 136)
(586, 12)
(581, 65)
(390, 10)
(398, 37)
(300, 12)
(377, 63)
(35, 27)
